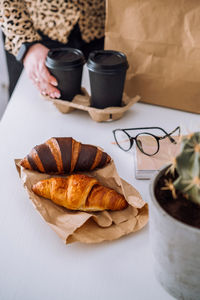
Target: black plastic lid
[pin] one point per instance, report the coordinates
(106, 61)
(69, 58)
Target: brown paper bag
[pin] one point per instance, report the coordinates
(90, 227)
(162, 42)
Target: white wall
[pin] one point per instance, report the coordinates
(4, 80)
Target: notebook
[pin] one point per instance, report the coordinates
(146, 166)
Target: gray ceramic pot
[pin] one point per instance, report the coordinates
(176, 251)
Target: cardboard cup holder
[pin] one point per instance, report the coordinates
(82, 102)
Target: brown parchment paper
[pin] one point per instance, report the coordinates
(72, 226)
(82, 102)
(162, 42)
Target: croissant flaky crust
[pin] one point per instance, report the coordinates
(80, 192)
(63, 156)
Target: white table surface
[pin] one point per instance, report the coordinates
(34, 262)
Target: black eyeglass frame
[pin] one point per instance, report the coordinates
(157, 138)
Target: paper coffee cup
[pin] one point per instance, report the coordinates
(107, 72)
(66, 65)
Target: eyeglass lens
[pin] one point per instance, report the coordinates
(123, 140)
(147, 143)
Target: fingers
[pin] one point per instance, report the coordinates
(32, 75)
(43, 81)
(46, 88)
(45, 75)
(45, 85)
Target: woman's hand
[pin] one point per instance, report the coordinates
(34, 64)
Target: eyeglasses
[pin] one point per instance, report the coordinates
(146, 142)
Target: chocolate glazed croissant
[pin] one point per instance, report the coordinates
(64, 155)
(80, 192)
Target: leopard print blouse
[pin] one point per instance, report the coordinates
(21, 19)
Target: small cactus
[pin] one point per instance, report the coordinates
(187, 165)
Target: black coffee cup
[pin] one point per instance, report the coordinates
(66, 65)
(107, 72)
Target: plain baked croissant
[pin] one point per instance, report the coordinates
(80, 192)
(64, 155)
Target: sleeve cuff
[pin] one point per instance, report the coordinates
(14, 44)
